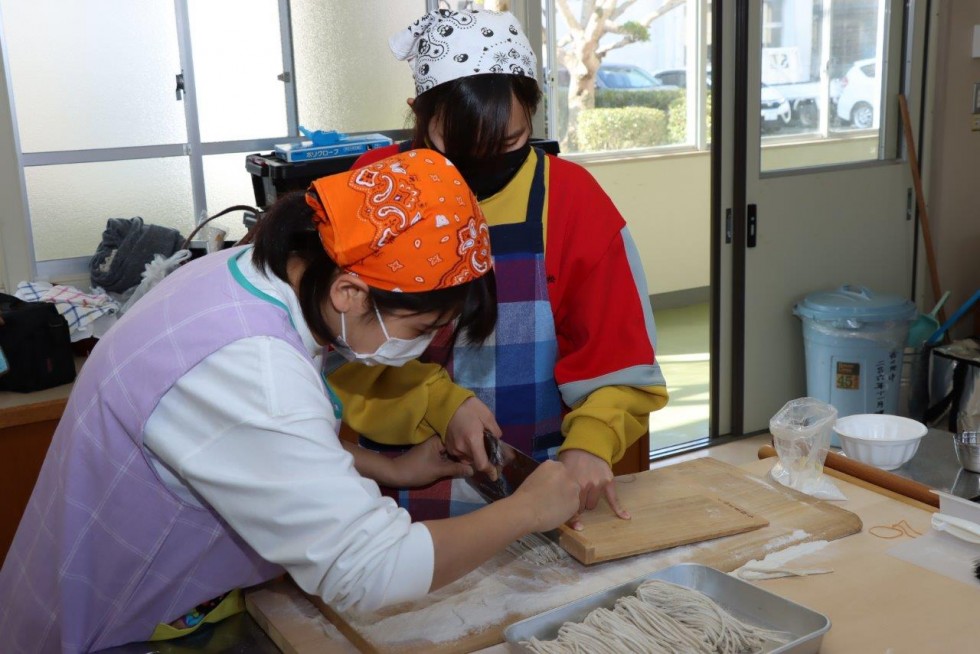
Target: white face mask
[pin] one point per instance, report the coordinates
(393, 352)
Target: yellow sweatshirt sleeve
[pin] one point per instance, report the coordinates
(611, 419)
(402, 405)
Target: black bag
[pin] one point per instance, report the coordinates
(36, 342)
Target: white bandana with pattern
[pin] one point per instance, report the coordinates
(445, 45)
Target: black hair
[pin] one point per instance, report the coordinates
(286, 230)
(475, 112)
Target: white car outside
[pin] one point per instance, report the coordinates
(776, 111)
(859, 102)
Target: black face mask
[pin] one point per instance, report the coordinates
(488, 176)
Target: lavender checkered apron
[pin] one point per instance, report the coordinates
(513, 373)
(105, 551)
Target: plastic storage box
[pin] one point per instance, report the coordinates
(272, 177)
(327, 144)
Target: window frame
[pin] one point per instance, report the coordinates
(20, 239)
(698, 31)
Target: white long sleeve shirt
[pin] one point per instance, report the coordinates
(251, 432)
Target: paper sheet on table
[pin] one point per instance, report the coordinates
(942, 553)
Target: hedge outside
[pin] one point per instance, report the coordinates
(618, 98)
(677, 119)
(673, 104)
(624, 128)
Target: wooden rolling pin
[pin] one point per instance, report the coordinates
(872, 475)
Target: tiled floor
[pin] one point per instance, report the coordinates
(683, 353)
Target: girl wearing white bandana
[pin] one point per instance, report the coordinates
(570, 372)
(445, 45)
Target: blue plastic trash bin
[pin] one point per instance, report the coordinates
(854, 341)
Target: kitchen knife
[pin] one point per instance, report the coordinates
(513, 467)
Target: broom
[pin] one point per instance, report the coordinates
(921, 203)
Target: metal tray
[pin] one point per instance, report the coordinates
(743, 600)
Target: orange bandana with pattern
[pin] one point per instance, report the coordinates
(407, 223)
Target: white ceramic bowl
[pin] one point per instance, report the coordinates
(884, 441)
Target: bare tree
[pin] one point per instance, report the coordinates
(581, 52)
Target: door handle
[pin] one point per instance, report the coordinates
(751, 226)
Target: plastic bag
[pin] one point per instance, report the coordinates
(154, 273)
(801, 433)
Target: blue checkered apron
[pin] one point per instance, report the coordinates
(513, 372)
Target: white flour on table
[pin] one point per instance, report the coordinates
(507, 589)
(781, 542)
(499, 589)
(774, 565)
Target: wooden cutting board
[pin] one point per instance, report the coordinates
(666, 512)
(472, 612)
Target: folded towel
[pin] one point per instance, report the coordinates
(78, 308)
(127, 246)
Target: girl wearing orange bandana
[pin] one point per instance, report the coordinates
(199, 451)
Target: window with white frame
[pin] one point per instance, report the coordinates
(823, 64)
(626, 75)
(149, 108)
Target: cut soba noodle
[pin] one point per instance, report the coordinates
(537, 550)
(660, 618)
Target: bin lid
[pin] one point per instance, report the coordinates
(856, 303)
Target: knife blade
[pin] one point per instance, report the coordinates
(513, 467)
